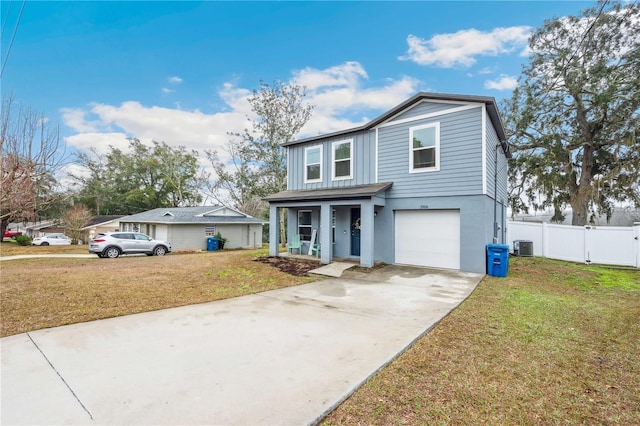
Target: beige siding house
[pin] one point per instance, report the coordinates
(187, 228)
(100, 224)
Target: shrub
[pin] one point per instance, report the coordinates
(23, 240)
(221, 239)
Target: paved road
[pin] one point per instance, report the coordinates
(286, 356)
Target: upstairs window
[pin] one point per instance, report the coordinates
(342, 161)
(424, 142)
(313, 164)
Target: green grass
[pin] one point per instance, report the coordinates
(48, 292)
(553, 343)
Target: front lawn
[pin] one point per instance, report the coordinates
(553, 343)
(48, 292)
(11, 248)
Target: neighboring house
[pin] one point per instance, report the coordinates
(100, 224)
(620, 216)
(40, 229)
(187, 228)
(423, 184)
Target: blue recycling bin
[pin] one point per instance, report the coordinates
(212, 244)
(497, 260)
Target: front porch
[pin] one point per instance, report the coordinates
(335, 223)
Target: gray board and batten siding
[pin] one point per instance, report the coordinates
(386, 159)
(460, 170)
(362, 156)
(472, 155)
(493, 148)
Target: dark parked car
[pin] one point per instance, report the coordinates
(113, 244)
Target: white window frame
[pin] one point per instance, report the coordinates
(306, 178)
(333, 159)
(436, 168)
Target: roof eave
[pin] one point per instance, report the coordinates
(489, 101)
(326, 194)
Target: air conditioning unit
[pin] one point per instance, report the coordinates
(523, 248)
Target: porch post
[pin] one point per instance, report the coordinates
(274, 230)
(366, 234)
(636, 231)
(326, 246)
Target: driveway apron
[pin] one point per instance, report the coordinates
(286, 356)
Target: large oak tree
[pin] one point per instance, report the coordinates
(141, 178)
(573, 119)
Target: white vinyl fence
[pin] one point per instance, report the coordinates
(612, 245)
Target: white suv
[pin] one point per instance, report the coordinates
(113, 244)
(51, 240)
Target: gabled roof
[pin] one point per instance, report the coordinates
(43, 225)
(351, 192)
(101, 220)
(193, 215)
(490, 102)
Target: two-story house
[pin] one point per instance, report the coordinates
(423, 184)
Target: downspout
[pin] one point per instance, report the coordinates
(495, 198)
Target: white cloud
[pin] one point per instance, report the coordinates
(64, 175)
(525, 52)
(461, 48)
(339, 94)
(100, 141)
(174, 80)
(347, 74)
(166, 91)
(236, 98)
(193, 129)
(77, 120)
(504, 82)
(340, 100)
(487, 70)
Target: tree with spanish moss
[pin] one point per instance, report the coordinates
(573, 119)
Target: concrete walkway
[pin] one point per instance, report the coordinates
(286, 356)
(333, 269)
(35, 256)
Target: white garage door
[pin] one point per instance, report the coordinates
(428, 238)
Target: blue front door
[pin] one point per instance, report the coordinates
(355, 232)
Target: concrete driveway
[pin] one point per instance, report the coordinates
(286, 356)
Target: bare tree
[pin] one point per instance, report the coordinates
(75, 218)
(30, 154)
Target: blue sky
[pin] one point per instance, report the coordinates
(180, 72)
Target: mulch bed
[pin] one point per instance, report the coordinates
(297, 267)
